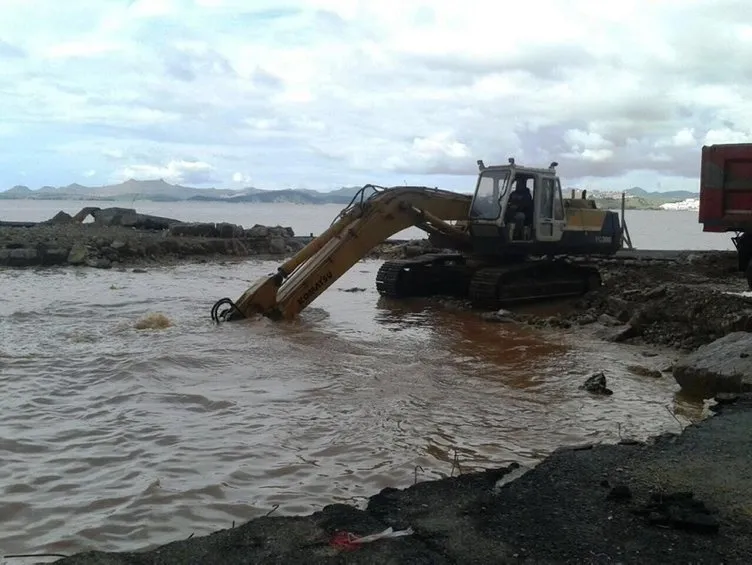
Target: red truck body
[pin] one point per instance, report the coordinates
(726, 188)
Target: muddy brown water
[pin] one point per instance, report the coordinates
(116, 438)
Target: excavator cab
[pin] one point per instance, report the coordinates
(515, 207)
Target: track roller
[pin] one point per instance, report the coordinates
(425, 275)
(494, 287)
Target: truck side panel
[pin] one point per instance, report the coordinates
(726, 187)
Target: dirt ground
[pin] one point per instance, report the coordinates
(681, 303)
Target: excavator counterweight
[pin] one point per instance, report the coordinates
(501, 247)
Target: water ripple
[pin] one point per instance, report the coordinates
(115, 438)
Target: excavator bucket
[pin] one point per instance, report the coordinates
(261, 298)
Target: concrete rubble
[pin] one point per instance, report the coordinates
(722, 366)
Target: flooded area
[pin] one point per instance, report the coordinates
(115, 438)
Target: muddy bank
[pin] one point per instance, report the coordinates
(677, 499)
(678, 299)
(123, 237)
(684, 302)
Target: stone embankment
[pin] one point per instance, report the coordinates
(677, 499)
(122, 236)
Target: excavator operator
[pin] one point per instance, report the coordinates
(520, 208)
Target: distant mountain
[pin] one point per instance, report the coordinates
(667, 195)
(158, 190)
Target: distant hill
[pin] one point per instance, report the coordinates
(158, 190)
(668, 195)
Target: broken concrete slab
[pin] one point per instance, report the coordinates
(724, 365)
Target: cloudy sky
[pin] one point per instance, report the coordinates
(325, 93)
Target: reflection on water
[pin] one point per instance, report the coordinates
(114, 437)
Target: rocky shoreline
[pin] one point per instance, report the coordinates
(676, 499)
(121, 237)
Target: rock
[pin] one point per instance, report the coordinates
(616, 305)
(586, 319)
(726, 397)
(657, 292)
(78, 254)
(118, 244)
(679, 511)
(54, 256)
(280, 231)
(740, 323)
(607, 320)
(229, 231)
(60, 218)
(596, 384)
(644, 371)
(20, 257)
(277, 245)
(499, 317)
(194, 230)
(128, 217)
(717, 367)
(99, 263)
(257, 231)
(620, 334)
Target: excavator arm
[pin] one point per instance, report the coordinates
(361, 226)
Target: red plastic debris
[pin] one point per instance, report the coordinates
(344, 541)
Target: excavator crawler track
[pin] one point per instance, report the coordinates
(495, 287)
(426, 275)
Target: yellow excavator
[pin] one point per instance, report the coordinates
(508, 242)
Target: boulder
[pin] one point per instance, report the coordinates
(194, 230)
(60, 218)
(21, 257)
(596, 384)
(724, 365)
(499, 317)
(54, 255)
(99, 263)
(281, 231)
(277, 245)
(129, 218)
(78, 254)
(230, 231)
(257, 231)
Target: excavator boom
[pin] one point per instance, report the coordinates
(354, 233)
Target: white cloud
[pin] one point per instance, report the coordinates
(173, 172)
(329, 92)
(241, 178)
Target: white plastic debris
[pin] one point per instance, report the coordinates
(386, 534)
